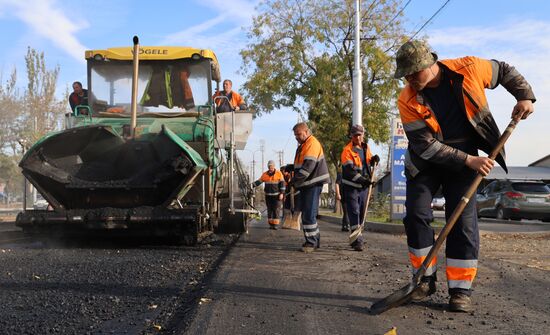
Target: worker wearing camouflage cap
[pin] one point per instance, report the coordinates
(446, 118)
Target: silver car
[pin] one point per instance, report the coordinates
(40, 203)
(438, 203)
(516, 200)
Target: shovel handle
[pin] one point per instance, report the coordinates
(462, 204)
(368, 195)
(292, 198)
(359, 231)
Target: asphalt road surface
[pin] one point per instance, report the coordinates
(266, 286)
(261, 284)
(495, 225)
(101, 286)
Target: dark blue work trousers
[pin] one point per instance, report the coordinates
(273, 208)
(309, 206)
(345, 219)
(462, 244)
(355, 199)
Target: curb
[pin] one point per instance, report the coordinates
(397, 229)
(511, 222)
(376, 227)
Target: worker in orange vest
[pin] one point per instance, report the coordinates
(356, 177)
(446, 118)
(274, 192)
(310, 173)
(228, 100)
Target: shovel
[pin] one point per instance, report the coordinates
(359, 231)
(404, 295)
(292, 221)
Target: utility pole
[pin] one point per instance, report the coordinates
(389, 162)
(357, 91)
(281, 155)
(262, 149)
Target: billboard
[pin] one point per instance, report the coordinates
(398, 180)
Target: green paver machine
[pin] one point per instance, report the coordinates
(162, 165)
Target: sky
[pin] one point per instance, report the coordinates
(517, 32)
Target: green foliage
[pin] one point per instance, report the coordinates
(10, 175)
(9, 112)
(380, 206)
(42, 110)
(26, 117)
(300, 56)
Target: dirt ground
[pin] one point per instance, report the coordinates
(527, 249)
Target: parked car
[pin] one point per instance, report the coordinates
(40, 203)
(506, 199)
(438, 203)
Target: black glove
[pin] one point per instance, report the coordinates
(290, 184)
(365, 183)
(374, 160)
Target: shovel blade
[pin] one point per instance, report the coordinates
(292, 221)
(355, 234)
(397, 298)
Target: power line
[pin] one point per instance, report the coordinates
(394, 17)
(416, 33)
(430, 19)
(385, 27)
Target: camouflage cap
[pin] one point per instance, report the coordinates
(413, 56)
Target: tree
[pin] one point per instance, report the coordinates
(24, 118)
(42, 111)
(300, 55)
(10, 176)
(9, 111)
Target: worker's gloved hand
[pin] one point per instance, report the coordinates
(252, 186)
(374, 160)
(290, 184)
(365, 183)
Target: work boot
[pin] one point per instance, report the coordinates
(460, 302)
(424, 289)
(308, 248)
(345, 228)
(358, 246)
